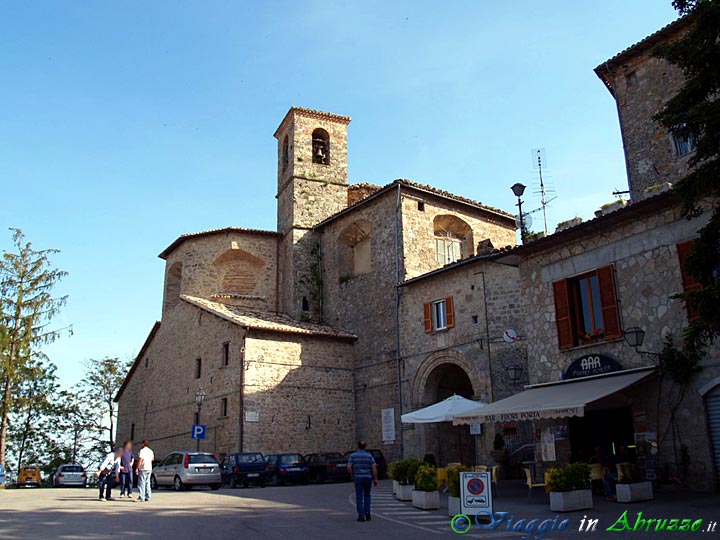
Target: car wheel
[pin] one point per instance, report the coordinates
(233, 483)
(178, 484)
(153, 482)
(276, 480)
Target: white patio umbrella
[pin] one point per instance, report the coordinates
(443, 411)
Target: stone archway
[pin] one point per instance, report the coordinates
(440, 376)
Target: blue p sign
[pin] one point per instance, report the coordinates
(198, 431)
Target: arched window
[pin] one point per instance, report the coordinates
(453, 239)
(354, 251)
(285, 153)
(239, 272)
(173, 281)
(321, 146)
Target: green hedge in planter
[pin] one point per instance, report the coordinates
(404, 471)
(453, 479)
(573, 477)
(426, 478)
(412, 469)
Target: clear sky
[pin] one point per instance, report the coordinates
(126, 124)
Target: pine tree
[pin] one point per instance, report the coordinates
(694, 113)
(27, 307)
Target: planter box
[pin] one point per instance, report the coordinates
(640, 491)
(395, 487)
(453, 506)
(617, 205)
(567, 224)
(427, 500)
(404, 493)
(568, 501)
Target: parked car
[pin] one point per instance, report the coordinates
(2, 475)
(327, 466)
(29, 476)
(283, 468)
(380, 462)
(243, 469)
(71, 474)
(184, 470)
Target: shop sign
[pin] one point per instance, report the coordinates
(592, 364)
(534, 415)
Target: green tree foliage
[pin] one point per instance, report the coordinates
(695, 112)
(96, 399)
(27, 307)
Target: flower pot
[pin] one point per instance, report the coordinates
(453, 506)
(404, 493)
(395, 487)
(568, 501)
(639, 491)
(427, 500)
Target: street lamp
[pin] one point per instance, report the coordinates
(199, 400)
(635, 337)
(518, 189)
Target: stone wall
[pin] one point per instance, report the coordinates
(419, 213)
(643, 85)
(647, 275)
(486, 302)
(239, 267)
(299, 386)
(302, 391)
(160, 396)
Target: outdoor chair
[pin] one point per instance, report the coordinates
(596, 478)
(531, 484)
(494, 475)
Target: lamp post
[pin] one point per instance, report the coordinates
(199, 400)
(518, 189)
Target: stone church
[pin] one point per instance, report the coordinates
(296, 335)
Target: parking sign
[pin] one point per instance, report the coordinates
(199, 431)
(476, 493)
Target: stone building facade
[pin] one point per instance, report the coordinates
(294, 334)
(641, 85)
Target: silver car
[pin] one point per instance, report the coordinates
(183, 470)
(71, 474)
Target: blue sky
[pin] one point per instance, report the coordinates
(126, 124)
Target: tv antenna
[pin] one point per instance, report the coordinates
(539, 159)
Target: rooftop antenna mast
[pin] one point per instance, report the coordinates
(538, 158)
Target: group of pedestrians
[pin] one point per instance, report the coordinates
(120, 467)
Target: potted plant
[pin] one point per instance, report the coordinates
(568, 223)
(453, 484)
(630, 486)
(426, 495)
(569, 487)
(612, 206)
(393, 475)
(404, 472)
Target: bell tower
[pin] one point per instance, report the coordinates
(312, 186)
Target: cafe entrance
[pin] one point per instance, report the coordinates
(607, 428)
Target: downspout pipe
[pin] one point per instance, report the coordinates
(398, 356)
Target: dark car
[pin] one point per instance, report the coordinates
(243, 469)
(380, 462)
(327, 466)
(283, 468)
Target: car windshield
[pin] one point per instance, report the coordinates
(71, 468)
(201, 458)
(290, 458)
(376, 454)
(250, 458)
(333, 455)
(30, 469)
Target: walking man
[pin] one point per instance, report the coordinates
(108, 474)
(363, 470)
(127, 461)
(144, 467)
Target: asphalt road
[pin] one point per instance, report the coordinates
(273, 513)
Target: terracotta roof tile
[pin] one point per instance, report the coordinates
(265, 321)
(225, 230)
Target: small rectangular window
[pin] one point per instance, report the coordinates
(683, 143)
(421, 206)
(198, 368)
(147, 361)
(447, 250)
(224, 407)
(226, 354)
(439, 315)
(631, 78)
(132, 432)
